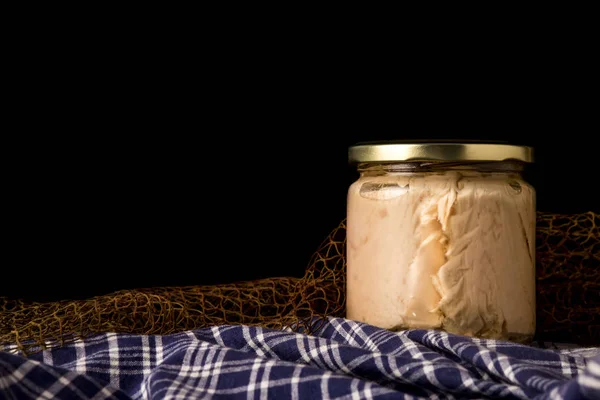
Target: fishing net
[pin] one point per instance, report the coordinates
(568, 278)
(568, 286)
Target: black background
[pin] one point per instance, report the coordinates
(133, 170)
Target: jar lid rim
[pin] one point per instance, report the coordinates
(424, 150)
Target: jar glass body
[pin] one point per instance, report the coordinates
(444, 245)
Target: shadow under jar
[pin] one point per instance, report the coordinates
(442, 236)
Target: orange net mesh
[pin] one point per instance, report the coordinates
(568, 254)
(568, 277)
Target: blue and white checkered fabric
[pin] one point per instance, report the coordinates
(344, 359)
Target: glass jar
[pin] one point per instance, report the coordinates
(442, 236)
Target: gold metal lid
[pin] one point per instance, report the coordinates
(437, 151)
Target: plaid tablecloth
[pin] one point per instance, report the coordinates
(344, 359)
